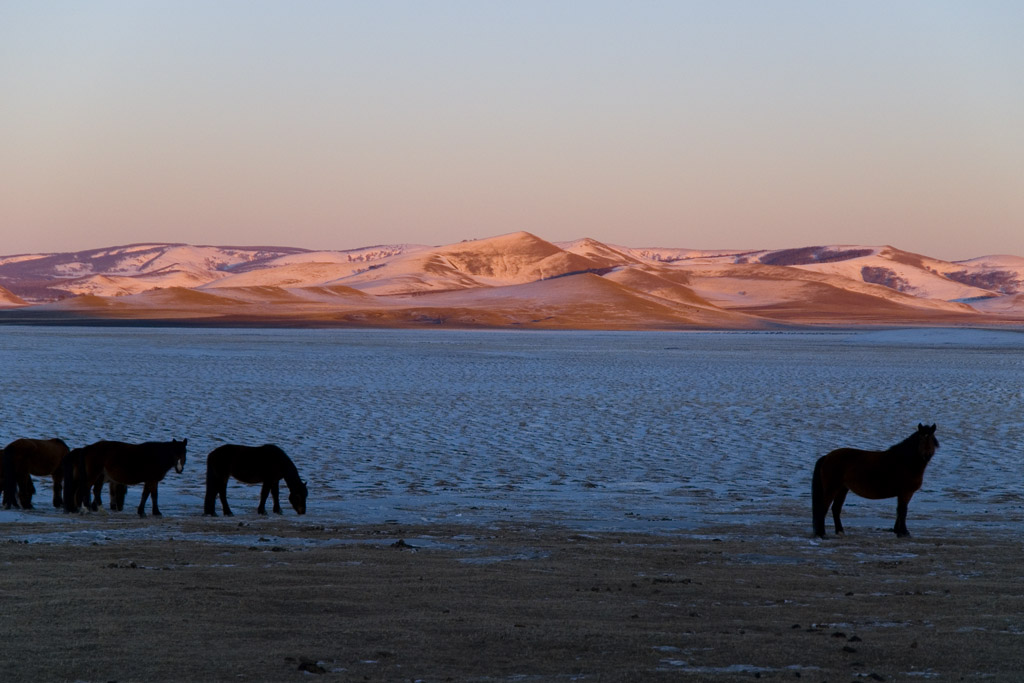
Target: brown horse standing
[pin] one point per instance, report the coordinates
(123, 463)
(893, 473)
(252, 465)
(24, 457)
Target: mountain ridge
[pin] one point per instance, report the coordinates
(515, 280)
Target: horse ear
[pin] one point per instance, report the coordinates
(184, 442)
(920, 427)
(933, 428)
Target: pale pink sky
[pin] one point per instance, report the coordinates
(335, 125)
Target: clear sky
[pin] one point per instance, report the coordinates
(335, 125)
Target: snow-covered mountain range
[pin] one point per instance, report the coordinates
(514, 280)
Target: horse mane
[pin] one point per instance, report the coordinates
(908, 444)
(289, 471)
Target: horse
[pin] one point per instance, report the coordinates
(122, 464)
(893, 473)
(24, 457)
(77, 484)
(266, 464)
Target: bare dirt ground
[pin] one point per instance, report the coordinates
(280, 600)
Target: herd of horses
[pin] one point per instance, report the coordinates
(80, 473)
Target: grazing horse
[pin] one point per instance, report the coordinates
(893, 473)
(24, 457)
(124, 464)
(252, 465)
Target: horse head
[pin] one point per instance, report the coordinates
(297, 497)
(178, 448)
(926, 441)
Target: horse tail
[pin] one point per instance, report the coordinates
(10, 478)
(818, 500)
(213, 476)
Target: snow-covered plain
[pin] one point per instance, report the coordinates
(596, 430)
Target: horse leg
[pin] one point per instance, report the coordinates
(210, 500)
(216, 484)
(25, 490)
(97, 494)
(58, 500)
(145, 497)
(264, 492)
(213, 487)
(10, 481)
(822, 500)
(901, 515)
(275, 491)
(156, 510)
(216, 488)
(837, 508)
(819, 500)
(224, 499)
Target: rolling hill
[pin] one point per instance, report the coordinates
(515, 280)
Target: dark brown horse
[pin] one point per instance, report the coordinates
(125, 464)
(25, 457)
(893, 473)
(265, 465)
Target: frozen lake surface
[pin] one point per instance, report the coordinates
(597, 430)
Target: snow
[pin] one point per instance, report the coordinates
(128, 249)
(73, 269)
(633, 431)
(364, 256)
(995, 262)
(670, 255)
(114, 285)
(921, 283)
(512, 259)
(205, 260)
(20, 258)
(295, 274)
(804, 291)
(877, 284)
